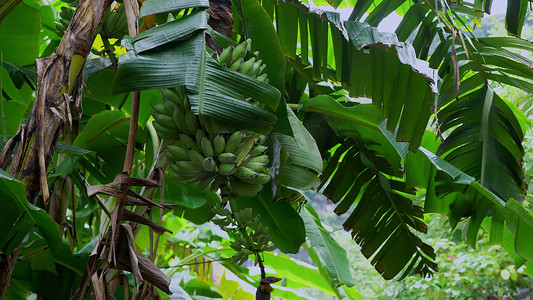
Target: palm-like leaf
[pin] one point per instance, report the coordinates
(379, 10)
(366, 62)
(485, 142)
(384, 216)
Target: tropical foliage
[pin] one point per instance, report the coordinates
(371, 120)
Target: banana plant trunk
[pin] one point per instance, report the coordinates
(59, 88)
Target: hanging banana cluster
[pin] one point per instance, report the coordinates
(233, 57)
(245, 243)
(234, 162)
(65, 15)
(115, 24)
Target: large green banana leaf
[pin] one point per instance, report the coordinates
(485, 141)
(384, 215)
(366, 62)
(364, 171)
(379, 10)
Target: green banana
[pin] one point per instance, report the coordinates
(179, 119)
(175, 153)
(196, 158)
(241, 240)
(246, 251)
(262, 78)
(225, 56)
(243, 189)
(261, 69)
(238, 52)
(234, 245)
(209, 164)
(64, 22)
(227, 169)
(271, 247)
(254, 70)
(258, 150)
(254, 166)
(207, 147)
(244, 148)
(213, 187)
(245, 173)
(187, 167)
(179, 177)
(247, 213)
(188, 142)
(165, 133)
(164, 120)
(246, 66)
(233, 141)
(219, 143)
(199, 136)
(236, 66)
(186, 103)
(262, 159)
(191, 121)
(227, 158)
(171, 96)
(261, 178)
(204, 183)
(169, 108)
(159, 108)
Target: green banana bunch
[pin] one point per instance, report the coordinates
(65, 15)
(115, 24)
(234, 57)
(233, 162)
(246, 242)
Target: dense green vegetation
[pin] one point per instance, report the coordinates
(160, 149)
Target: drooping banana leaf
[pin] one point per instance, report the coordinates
(444, 24)
(452, 191)
(485, 141)
(384, 217)
(331, 255)
(366, 62)
(361, 172)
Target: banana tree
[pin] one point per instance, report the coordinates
(238, 127)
